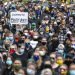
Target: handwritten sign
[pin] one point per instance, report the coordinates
(19, 17)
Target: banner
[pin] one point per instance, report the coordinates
(19, 17)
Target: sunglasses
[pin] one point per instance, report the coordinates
(52, 58)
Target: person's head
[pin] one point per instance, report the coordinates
(13, 47)
(31, 69)
(36, 55)
(21, 9)
(42, 51)
(37, 58)
(44, 41)
(60, 49)
(54, 37)
(27, 43)
(9, 62)
(17, 65)
(72, 69)
(71, 50)
(68, 41)
(26, 32)
(53, 58)
(30, 61)
(35, 35)
(7, 44)
(46, 64)
(4, 54)
(21, 49)
(23, 38)
(63, 70)
(46, 72)
(68, 59)
(22, 71)
(59, 60)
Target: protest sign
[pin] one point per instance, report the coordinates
(19, 17)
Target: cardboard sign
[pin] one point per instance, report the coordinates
(19, 17)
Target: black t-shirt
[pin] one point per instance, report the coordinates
(23, 58)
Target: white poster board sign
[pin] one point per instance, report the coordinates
(19, 17)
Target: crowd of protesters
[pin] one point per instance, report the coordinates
(45, 46)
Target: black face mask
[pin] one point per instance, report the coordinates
(36, 39)
(58, 23)
(2, 22)
(47, 66)
(43, 43)
(21, 41)
(68, 62)
(4, 57)
(7, 46)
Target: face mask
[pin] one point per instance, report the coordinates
(19, 74)
(52, 60)
(60, 51)
(64, 73)
(34, 17)
(47, 73)
(51, 34)
(42, 53)
(35, 37)
(68, 62)
(60, 62)
(7, 46)
(41, 33)
(36, 58)
(43, 43)
(21, 51)
(47, 66)
(30, 72)
(9, 62)
(72, 72)
(11, 38)
(27, 45)
(7, 38)
(17, 67)
(43, 25)
(4, 57)
(26, 34)
(58, 22)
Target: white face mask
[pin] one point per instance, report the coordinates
(42, 53)
(41, 33)
(35, 37)
(21, 51)
(26, 34)
(47, 73)
(11, 37)
(9, 62)
(30, 72)
(60, 51)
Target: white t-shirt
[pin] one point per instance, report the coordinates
(33, 43)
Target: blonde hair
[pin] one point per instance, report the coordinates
(46, 70)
